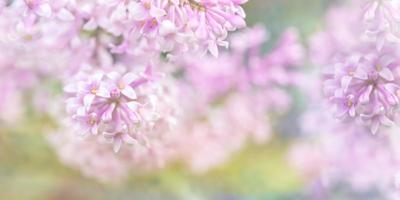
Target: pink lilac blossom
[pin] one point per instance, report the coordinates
(118, 106)
(336, 153)
(116, 102)
(366, 88)
(344, 153)
(360, 80)
(158, 25)
(108, 105)
(95, 158)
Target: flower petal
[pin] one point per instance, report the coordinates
(386, 74)
(129, 92)
(129, 78)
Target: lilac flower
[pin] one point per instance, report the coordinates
(110, 106)
(365, 88)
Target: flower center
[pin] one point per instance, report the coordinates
(121, 85)
(378, 68)
(349, 103)
(93, 90)
(398, 92)
(147, 5)
(91, 121)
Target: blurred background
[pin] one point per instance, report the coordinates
(29, 168)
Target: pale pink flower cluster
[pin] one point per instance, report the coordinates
(361, 81)
(346, 154)
(245, 67)
(121, 107)
(330, 153)
(172, 26)
(247, 86)
(199, 119)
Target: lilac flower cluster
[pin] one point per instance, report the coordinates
(173, 26)
(361, 74)
(118, 106)
(153, 120)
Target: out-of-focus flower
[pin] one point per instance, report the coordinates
(338, 153)
(91, 158)
(245, 67)
(382, 21)
(361, 81)
(246, 86)
(210, 138)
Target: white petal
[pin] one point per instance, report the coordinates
(352, 111)
(386, 121)
(44, 10)
(386, 74)
(136, 11)
(157, 12)
(374, 126)
(128, 139)
(167, 27)
(103, 92)
(65, 15)
(71, 88)
(129, 78)
(133, 105)
(361, 74)
(345, 82)
(364, 98)
(88, 100)
(114, 76)
(117, 144)
(212, 47)
(129, 92)
(108, 114)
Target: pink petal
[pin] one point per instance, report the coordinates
(345, 82)
(364, 98)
